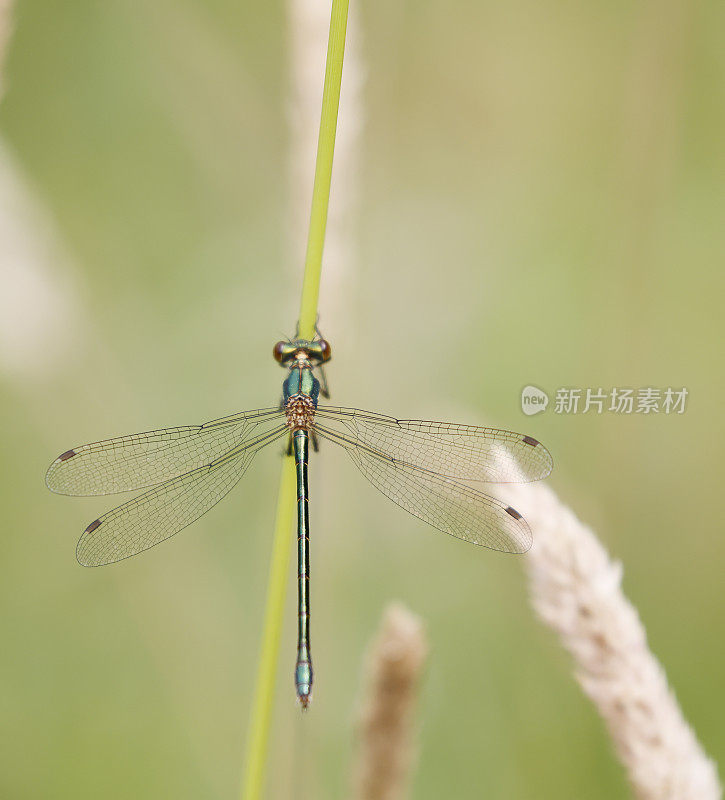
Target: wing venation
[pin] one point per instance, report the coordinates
(464, 452)
(146, 459)
(164, 510)
(442, 502)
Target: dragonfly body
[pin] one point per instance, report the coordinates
(300, 392)
(426, 468)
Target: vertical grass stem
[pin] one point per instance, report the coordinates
(259, 724)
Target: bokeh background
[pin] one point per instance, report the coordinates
(532, 193)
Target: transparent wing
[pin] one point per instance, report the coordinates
(166, 509)
(146, 459)
(466, 452)
(452, 507)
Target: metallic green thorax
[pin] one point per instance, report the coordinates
(299, 396)
(300, 383)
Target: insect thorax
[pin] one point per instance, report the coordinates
(299, 393)
(300, 412)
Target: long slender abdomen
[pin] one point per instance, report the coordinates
(303, 668)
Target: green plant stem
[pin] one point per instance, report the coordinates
(323, 169)
(259, 723)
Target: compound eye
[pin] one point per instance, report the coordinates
(279, 351)
(325, 350)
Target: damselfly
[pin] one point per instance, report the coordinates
(422, 466)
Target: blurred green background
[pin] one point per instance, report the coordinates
(540, 197)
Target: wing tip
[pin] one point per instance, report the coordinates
(50, 484)
(82, 556)
(548, 461)
(524, 540)
(54, 486)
